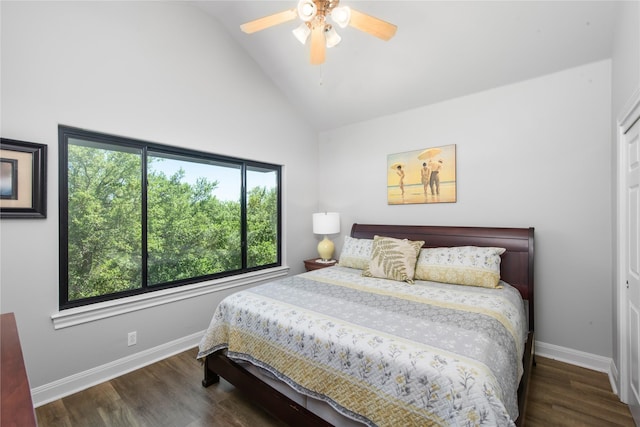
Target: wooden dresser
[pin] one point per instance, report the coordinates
(16, 406)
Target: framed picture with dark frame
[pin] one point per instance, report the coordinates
(23, 179)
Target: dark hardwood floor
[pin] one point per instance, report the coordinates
(169, 393)
(566, 395)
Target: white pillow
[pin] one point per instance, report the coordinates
(356, 253)
(461, 265)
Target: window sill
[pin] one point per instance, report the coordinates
(103, 310)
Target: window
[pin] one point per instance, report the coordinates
(137, 217)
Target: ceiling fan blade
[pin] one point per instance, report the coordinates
(269, 21)
(318, 43)
(372, 25)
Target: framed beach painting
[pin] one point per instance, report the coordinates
(23, 179)
(422, 176)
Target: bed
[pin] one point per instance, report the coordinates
(331, 347)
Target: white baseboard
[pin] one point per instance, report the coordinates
(580, 358)
(614, 377)
(83, 380)
(574, 357)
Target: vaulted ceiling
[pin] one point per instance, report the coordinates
(442, 50)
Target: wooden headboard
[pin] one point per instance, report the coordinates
(516, 267)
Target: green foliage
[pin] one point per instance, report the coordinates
(262, 227)
(104, 222)
(190, 232)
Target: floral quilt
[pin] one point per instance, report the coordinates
(383, 352)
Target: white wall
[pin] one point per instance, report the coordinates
(535, 153)
(155, 71)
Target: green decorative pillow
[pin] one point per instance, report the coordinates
(356, 253)
(393, 259)
(462, 265)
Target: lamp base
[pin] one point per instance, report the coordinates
(325, 249)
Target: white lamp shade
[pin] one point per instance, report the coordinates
(332, 37)
(302, 33)
(341, 15)
(326, 223)
(307, 10)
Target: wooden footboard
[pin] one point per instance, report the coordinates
(277, 404)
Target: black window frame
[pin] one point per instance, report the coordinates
(66, 132)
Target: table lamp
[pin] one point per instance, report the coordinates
(326, 223)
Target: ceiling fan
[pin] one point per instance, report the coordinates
(313, 14)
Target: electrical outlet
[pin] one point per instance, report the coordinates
(132, 338)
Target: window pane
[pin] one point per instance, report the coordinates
(104, 232)
(137, 217)
(262, 216)
(193, 216)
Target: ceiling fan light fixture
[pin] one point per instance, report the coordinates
(331, 36)
(314, 16)
(307, 10)
(302, 33)
(341, 15)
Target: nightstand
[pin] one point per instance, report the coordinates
(315, 264)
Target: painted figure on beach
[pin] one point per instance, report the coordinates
(434, 177)
(425, 174)
(400, 173)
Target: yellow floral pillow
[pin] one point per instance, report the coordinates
(462, 265)
(356, 253)
(393, 259)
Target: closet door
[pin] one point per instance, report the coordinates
(631, 145)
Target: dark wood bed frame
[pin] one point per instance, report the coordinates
(516, 269)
